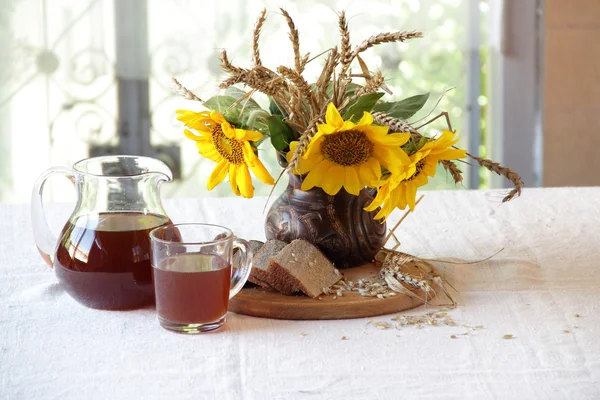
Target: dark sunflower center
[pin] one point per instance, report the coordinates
(347, 148)
(229, 149)
(420, 165)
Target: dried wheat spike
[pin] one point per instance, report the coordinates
(301, 85)
(502, 171)
(227, 65)
(345, 47)
(395, 125)
(256, 36)
(185, 92)
(327, 72)
(295, 39)
(453, 169)
(373, 84)
(386, 38)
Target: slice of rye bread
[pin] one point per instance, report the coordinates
(236, 260)
(260, 262)
(301, 266)
(255, 245)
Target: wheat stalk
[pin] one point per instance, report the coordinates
(295, 39)
(385, 38)
(227, 65)
(453, 169)
(396, 125)
(345, 56)
(256, 36)
(502, 171)
(326, 74)
(373, 84)
(301, 85)
(185, 92)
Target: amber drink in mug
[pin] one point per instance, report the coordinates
(193, 276)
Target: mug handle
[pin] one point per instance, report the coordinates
(243, 271)
(45, 240)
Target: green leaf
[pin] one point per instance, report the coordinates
(240, 114)
(364, 103)
(238, 94)
(273, 109)
(281, 133)
(402, 109)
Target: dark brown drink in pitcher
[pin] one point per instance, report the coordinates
(103, 260)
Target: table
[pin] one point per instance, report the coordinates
(544, 289)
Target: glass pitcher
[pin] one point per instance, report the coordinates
(102, 256)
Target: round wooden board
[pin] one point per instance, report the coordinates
(258, 302)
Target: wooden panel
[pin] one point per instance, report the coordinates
(572, 69)
(571, 149)
(572, 13)
(572, 93)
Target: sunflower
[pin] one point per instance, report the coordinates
(400, 190)
(229, 147)
(349, 155)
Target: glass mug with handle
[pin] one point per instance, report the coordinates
(193, 275)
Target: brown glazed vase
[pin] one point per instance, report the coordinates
(338, 225)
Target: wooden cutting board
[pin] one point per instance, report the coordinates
(258, 302)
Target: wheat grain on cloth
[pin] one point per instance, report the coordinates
(527, 326)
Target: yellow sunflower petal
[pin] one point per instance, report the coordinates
(290, 153)
(333, 180)
(217, 117)
(429, 168)
(352, 183)
(316, 176)
(333, 117)
(398, 197)
(261, 173)
(391, 158)
(191, 135)
(233, 179)
(305, 165)
(449, 154)
(380, 198)
(411, 195)
(370, 171)
(314, 146)
(366, 119)
(242, 134)
(244, 181)
(218, 174)
(228, 130)
(249, 154)
(392, 139)
(208, 150)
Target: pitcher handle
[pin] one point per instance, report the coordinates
(45, 240)
(243, 271)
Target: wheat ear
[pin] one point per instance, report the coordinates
(295, 39)
(185, 92)
(256, 36)
(385, 38)
(502, 171)
(453, 169)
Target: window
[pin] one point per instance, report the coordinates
(81, 78)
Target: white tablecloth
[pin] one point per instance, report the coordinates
(544, 289)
